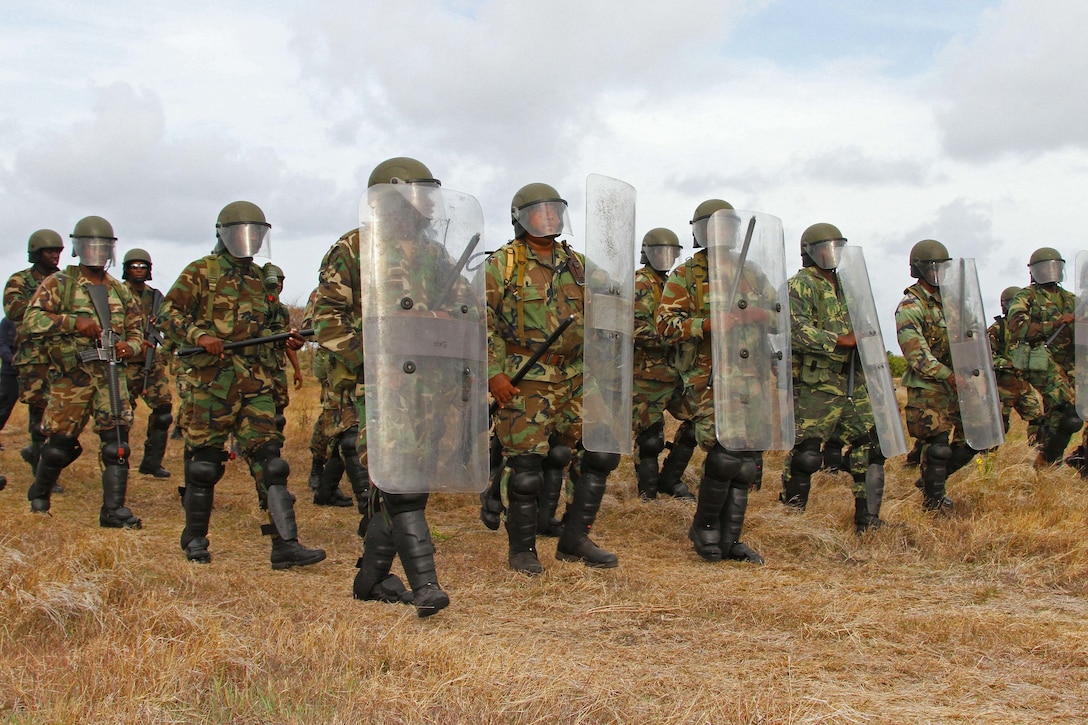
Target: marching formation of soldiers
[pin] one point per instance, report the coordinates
(528, 371)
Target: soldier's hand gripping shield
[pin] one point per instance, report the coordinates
(972, 361)
(1080, 336)
(608, 351)
(750, 331)
(424, 338)
(854, 277)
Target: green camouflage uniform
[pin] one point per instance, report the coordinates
(157, 392)
(30, 361)
(1033, 317)
(280, 318)
(825, 407)
(1015, 392)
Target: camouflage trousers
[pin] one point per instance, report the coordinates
(652, 398)
(826, 416)
(1017, 394)
(184, 386)
(540, 410)
(78, 394)
(34, 384)
(1056, 390)
(157, 392)
(280, 395)
(930, 413)
(337, 415)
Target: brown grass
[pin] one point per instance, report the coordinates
(979, 618)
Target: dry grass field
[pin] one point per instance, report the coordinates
(982, 617)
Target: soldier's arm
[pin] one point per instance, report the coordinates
(805, 334)
(134, 318)
(909, 323)
(1025, 322)
(15, 298)
(674, 319)
(337, 312)
(496, 344)
(43, 315)
(178, 313)
(645, 330)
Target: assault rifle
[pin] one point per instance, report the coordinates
(186, 351)
(535, 357)
(152, 335)
(106, 351)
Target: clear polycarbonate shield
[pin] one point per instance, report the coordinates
(1080, 335)
(972, 361)
(608, 352)
(865, 321)
(750, 331)
(424, 340)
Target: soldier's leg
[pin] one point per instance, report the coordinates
(491, 508)
(373, 581)
(158, 431)
(554, 471)
(1063, 423)
(681, 450)
(914, 456)
(204, 467)
(750, 475)
(866, 465)
(649, 444)
(803, 461)
(936, 457)
(832, 455)
(522, 489)
(59, 451)
(412, 539)
(319, 445)
(328, 491)
(115, 455)
(590, 477)
(31, 452)
(705, 533)
(358, 474)
(270, 471)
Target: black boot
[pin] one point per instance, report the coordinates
(373, 582)
(648, 446)
(554, 472)
(680, 451)
(867, 508)
(317, 465)
(575, 544)
(412, 538)
(328, 491)
(795, 491)
(158, 431)
(59, 451)
(736, 505)
(32, 451)
(522, 490)
(705, 532)
(286, 549)
(203, 469)
(358, 476)
(114, 513)
(491, 508)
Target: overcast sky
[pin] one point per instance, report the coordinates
(964, 121)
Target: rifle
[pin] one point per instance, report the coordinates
(280, 337)
(152, 334)
(534, 358)
(106, 351)
(455, 273)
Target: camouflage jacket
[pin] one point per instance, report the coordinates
(1000, 341)
(222, 296)
(651, 351)
(17, 293)
(61, 298)
(146, 300)
(1034, 315)
(923, 338)
(337, 307)
(818, 315)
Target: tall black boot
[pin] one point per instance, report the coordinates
(317, 465)
(491, 508)
(522, 490)
(736, 505)
(705, 532)
(328, 491)
(358, 475)
(373, 582)
(412, 538)
(115, 453)
(158, 432)
(589, 487)
(56, 453)
(935, 465)
(681, 450)
(554, 472)
(867, 508)
(203, 469)
(648, 446)
(32, 451)
(286, 549)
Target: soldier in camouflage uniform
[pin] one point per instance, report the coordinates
(216, 299)
(933, 408)
(830, 398)
(657, 384)
(683, 320)
(1015, 392)
(62, 320)
(533, 283)
(399, 523)
(273, 285)
(30, 361)
(1040, 322)
(148, 382)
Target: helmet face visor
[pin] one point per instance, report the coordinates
(423, 196)
(246, 239)
(661, 257)
(1048, 271)
(928, 270)
(721, 229)
(826, 254)
(544, 219)
(93, 251)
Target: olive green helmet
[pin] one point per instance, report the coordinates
(401, 170)
(1006, 298)
(660, 248)
(42, 239)
(539, 211)
(1047, 266)
(273, 277)
(925, 257)
(136, 255)
(821, 246)
(701, 218)
(242, 229)
(93, 241)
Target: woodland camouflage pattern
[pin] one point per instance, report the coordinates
(158, 384)
(657, 385)
(932, 406)
(31, 362)
(1015, 392)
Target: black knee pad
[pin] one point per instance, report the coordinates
(267, 450)
(205, 466)
(399, 503)
(807, 457)
(939, 453)
(558, 457)
(685, 435)
(115, 449)
(599, 462)
(721, 465)
(751, 471)
(276, 471)
(281, 421)
(1068, 421)
(160, 418)
(61, 450)
(651, 441)
(349, 440)
(525, 483)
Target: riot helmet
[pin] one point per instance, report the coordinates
(414, 183)
(821, 246)
(537, 210)
(925, 258)
(1047, 266)
(660, 248)
(93, 242)
(273, 277)
(136, 257)
(701, 218)
(243, 231)
(1006, 298)
(42, 239)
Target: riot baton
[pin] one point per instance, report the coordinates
(455, 273)
(534, 358)
(280, 337)
(740, 265)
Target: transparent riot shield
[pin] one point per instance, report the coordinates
(608, 352)
(972, 361)
(424, 338)
(854, 277)
(1080, 336)
(749, 310)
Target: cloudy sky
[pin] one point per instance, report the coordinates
(962, 121)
